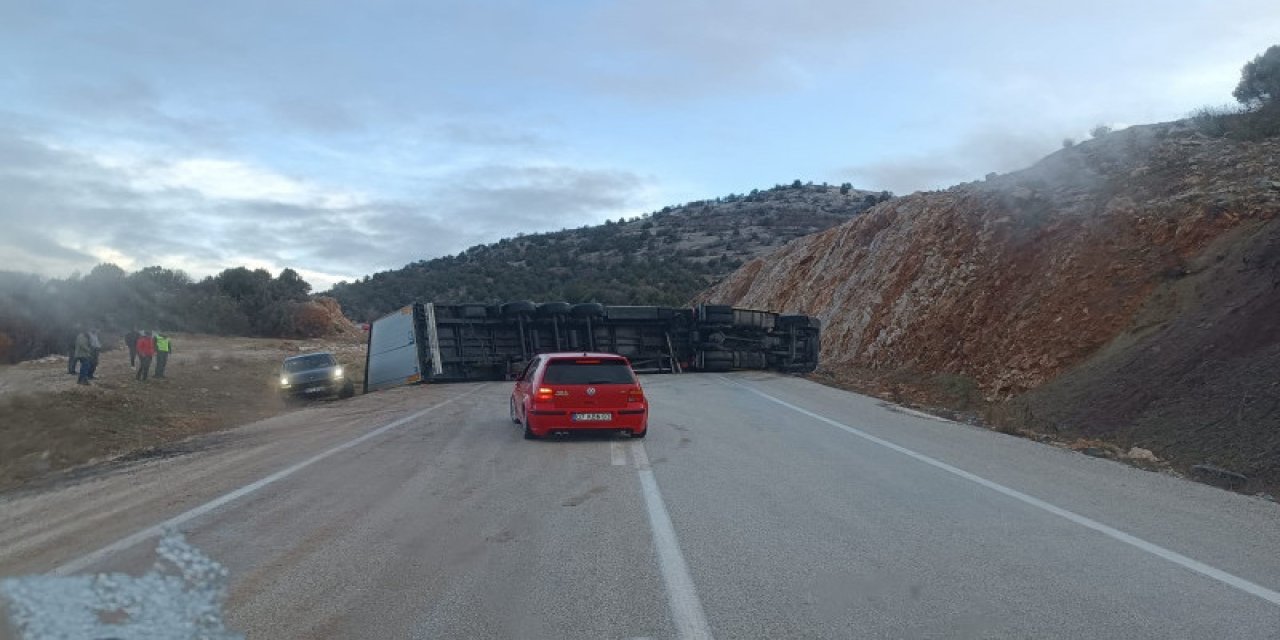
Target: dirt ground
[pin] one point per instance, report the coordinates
(1196, 378)
(48, 423)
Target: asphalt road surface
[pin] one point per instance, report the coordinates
(760, 506)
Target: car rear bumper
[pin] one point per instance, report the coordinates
(543, 422)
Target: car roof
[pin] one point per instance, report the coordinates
(583, 354)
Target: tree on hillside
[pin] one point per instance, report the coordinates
(1260, 79)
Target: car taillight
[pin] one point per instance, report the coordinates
(545, 393)
(635, 395)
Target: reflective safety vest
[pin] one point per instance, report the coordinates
(162, 344)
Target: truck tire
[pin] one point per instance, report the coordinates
(554, 309)
(587, 310)
(799, 322)
(348, 390)
(636, 312)
(750, 319)
(715, 314)
(519, 307)
(749, 360)
(715, 361)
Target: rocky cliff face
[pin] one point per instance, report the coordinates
(1013, 281)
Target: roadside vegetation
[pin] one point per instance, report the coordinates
(39, 316)
(1256, 115)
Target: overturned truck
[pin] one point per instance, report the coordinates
(428, 342)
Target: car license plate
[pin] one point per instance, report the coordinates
(592, 417)
(314, 389)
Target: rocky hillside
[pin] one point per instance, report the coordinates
(1125, 288)
(661, 258)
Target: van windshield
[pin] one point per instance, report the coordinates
(588, 371)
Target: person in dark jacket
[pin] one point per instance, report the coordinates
(131, 341)
(146, 349)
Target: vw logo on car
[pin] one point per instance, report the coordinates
(591, 391)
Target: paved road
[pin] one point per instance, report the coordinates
(759, 507)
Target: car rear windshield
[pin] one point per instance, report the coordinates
(304, 363)
(588, 371)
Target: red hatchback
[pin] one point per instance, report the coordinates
(579, 392)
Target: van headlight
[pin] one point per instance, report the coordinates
(337, 372)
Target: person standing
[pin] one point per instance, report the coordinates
(82, 353)
(146, 349)
(131, 341)
(71, 351)
(163, 346)
(95, 350)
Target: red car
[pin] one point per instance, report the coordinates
(579, 392)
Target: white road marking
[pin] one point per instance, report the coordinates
(617, 454)
(686, 608)
(85, 561)
(1201, 568)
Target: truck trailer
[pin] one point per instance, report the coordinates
(431, 342)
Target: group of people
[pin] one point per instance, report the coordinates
(144, 346)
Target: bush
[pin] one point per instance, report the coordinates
(1099, 131)
(1238, 123)
(1213, 121)
(1260, 80)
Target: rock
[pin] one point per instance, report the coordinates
(217, 368)
(1138, 453)
(1265, 496)
(1096, 452)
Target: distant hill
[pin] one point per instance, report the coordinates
(665, 257)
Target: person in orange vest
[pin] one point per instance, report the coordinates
(146, 349)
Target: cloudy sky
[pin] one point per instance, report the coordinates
(342, 138)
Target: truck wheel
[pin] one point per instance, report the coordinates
(554, 309)
(799, 322)
(518, 307)
(587, 310)
(715, 361)
(715, 314)
(348, 390)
